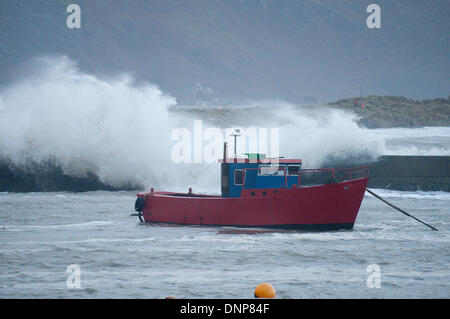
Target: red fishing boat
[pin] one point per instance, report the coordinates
(265, 192)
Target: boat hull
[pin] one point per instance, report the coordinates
(324, 207)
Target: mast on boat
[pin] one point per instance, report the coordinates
(236, 134)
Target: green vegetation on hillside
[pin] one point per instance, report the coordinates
(378, 112)
(398, 111)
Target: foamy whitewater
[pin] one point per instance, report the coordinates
(85, 124)
(416, 141)
(122, 132)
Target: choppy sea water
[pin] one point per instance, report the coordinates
(102, 132)
(41, 234)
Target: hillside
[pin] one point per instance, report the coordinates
(378, 112)
(398, 111)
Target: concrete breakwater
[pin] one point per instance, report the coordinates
(406, 173)
(411, 173)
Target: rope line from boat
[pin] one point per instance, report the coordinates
(399, 209)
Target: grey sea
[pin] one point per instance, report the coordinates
(86, 245)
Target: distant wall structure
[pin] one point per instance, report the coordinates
(411, 173)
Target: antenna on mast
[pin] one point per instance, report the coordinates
(235, 134)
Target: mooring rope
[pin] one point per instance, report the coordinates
(399, 209)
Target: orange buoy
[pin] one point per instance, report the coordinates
(171, 297)
(265, 290)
